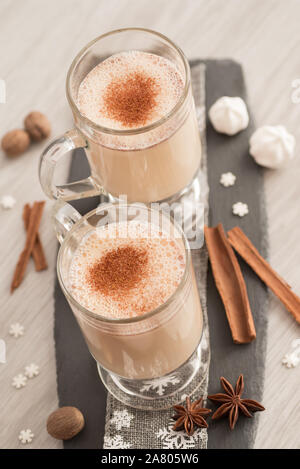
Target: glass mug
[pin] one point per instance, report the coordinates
(154, 163)
(146, 361)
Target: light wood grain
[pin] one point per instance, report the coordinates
(38, 40)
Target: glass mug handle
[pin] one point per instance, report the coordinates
(52, 154)
(64, 217)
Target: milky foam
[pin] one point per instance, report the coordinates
(165, 266)
(91, 93)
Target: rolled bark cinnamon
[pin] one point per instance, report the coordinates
(250, 254)
(37, 250)
(33, 227)
(230, 284)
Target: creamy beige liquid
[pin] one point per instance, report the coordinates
(154, 164)
(156, 345)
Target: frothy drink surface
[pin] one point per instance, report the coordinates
(126, 275)
(130, 90)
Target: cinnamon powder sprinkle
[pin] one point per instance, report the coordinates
(118, 271)
(131, 100)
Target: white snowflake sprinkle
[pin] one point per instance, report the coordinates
(7, 202)
(227, 179)
(159, 384)
(2, 351)
(115, 442)
(240, 209)
(31, 370)
(291, 360)
(121, 418)
(19, 381)
(16, 330)
(26, 436)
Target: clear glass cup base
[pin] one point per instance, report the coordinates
(192, 188)
(160, 393)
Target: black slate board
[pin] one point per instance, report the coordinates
(77, 379)
(231, 154)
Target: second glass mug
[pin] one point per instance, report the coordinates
(154, 163)
(147, 361)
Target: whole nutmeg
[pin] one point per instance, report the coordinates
(65, 422)
(37, 125)
(15, 142)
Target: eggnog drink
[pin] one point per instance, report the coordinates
(126, 277)
(129, 94)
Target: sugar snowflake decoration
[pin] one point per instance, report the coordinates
(159, 384)
(291, 360)
(31, 370)
(26, 436)
(2, 351)
(227, 179)
(19, 381)
(121, 418)
(240, 209)
(7, 202)
(16, 330)
(115, 442)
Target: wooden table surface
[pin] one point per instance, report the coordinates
(38, 40)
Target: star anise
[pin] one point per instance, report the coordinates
(190, 416)
(232, 402)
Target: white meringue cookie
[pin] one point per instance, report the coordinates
(229, 115)
(272, 146)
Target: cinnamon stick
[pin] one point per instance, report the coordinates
(250, 254)
(33, 226)
(230, 284)
(37, 251)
